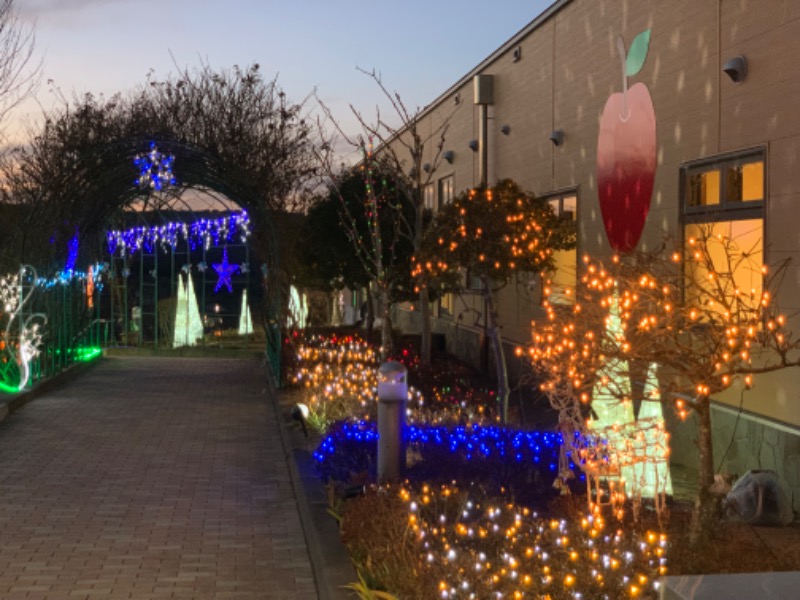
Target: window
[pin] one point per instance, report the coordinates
(447, 304)
(429, 197)
(724, 186)
(446, 193)
(725, 197)
(446, 190)
(565, 277)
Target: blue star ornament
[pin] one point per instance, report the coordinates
(224, 271)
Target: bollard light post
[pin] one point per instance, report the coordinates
(392, 397)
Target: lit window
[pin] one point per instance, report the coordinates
(447, 305)
(703, 188)
(723, 185)
(429, 197)
(564, 278)
(446, 190)
(745, 182)
(724, 200)
(747, 235)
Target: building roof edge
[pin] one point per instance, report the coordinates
(505, 47)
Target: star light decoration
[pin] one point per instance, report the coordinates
(202, 233)
(225, 271)
(155, 169)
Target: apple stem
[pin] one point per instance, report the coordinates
(626, 113)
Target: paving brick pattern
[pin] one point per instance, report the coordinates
(150, 478)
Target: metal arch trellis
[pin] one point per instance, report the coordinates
(106, 185)
(196, 242)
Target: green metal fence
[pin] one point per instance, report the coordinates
(46, 326)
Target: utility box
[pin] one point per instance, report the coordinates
(484, 89)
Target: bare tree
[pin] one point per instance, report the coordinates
(19, 75)
(374, 215)
(704, 316)
(401, 150)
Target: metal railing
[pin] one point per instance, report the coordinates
(46, 326)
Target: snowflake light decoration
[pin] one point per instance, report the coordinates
(155, 169)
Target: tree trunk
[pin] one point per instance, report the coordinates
(425, 316)
(370, 320)
(496, 339)
(705, 512)
(387, 345)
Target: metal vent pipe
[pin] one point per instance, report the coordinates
(484, 96)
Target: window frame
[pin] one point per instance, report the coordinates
(440, 196)
(725, 210)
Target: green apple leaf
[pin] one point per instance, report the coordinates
(637, 53)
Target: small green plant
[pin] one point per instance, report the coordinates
(365, 593)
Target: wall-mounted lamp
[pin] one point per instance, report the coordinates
(517, 54)
(736, 68)
(557, 137)
(505, 129)
(448, 155)
(426, 167)
(457, 98)
(473, 145)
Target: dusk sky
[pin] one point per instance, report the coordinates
(420, 47)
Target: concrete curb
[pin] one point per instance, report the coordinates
(330, 560)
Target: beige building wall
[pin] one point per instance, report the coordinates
(566, 66)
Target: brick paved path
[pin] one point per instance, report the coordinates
(150, 478)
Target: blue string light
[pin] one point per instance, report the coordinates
(352, 442)
(72, 253)
(205, 232)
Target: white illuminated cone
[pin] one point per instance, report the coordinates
(245, 320)
(188, 325)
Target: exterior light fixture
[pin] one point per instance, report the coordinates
(505, 129)
(473, 145)
(736, 68)
(300, 414)
(557, 137)
(449, 155)
(426, 167)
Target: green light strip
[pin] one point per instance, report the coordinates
(87, 354)
(8, 389)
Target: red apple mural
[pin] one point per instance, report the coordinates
(626, 153)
